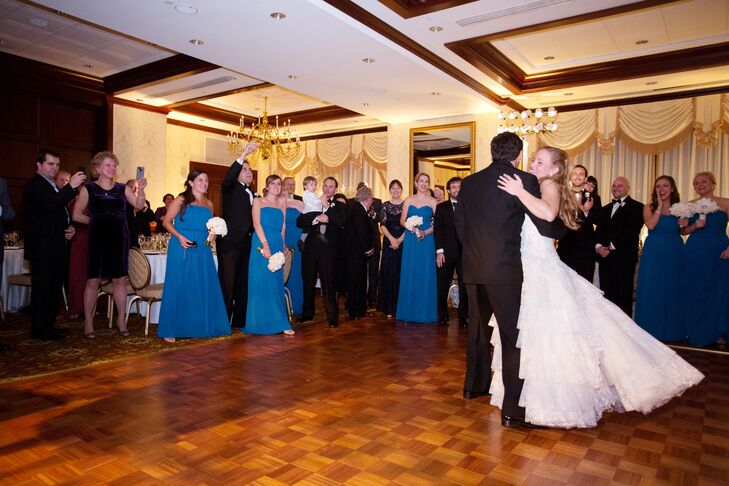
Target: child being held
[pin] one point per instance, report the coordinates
(312, 203)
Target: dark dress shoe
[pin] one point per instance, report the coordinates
(463, 323)
(443, 322)
(513, 422)
(303, 319)
(470, 395)
(237, 326)
(332, 323)
(54, 336)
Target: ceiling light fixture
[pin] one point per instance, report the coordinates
(568, 94)
(196, 42)
(185, 9)
(641, 42)
(528, 122)
(368, 60)
(435, 93)
(549, 58)
(435, 28)
(89, 66)
(38, 22)
(365, 104)
(293, 76)
(278, 15)
(651, 83)
(140, 100)
(271, 139)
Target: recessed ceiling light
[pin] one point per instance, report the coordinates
(355, 121)
(568, 94)
(651, 83)
(201, 120)
(549, 58)
(379, 90)
(365, 104)
(435, 28)
(38, 22)
(278, 15)
(293, 76)
(641, 42)
(89, 66)
(140, 100)
(435, 93)
(196, 42)
(185, 9)
(368, 60)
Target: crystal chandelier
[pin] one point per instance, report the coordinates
(528, 122)
(270, 138)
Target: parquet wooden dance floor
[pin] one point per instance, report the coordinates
(371, 402)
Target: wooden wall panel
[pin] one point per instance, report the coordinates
(19, 115)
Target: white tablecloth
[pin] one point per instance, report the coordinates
(17, 296)
(158, 262)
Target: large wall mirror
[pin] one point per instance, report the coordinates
(442, 152)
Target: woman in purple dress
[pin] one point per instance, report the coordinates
(102, 205)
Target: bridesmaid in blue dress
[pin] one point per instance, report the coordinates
(659, 304)
(295, 284)
(266, 313)
(707, 270)
(192, 302)
(394, 234)
(416, 300)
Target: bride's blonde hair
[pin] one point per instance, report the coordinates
(568, 204)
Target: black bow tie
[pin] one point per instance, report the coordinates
(616, 200)
(330, 200)
(246, 186)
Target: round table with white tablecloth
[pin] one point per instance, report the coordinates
(15, 297)
(158, 263)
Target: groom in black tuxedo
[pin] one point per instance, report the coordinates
(234, 248)
(489, 221)
(617, 248)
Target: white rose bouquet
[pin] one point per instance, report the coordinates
(413, 222)
(683, 210)
(276, 261)
(216, 226)
(705, 206)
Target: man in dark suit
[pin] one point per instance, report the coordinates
(488, 221)
(289, 185)
(234, 248)
(373, 261)
(577, 248)
(617, 245)
(48, 229)
(448, 254)
(320, 253)
(358, 234)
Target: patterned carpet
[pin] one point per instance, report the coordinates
(28, 357)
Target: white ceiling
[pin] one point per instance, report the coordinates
(314, 56)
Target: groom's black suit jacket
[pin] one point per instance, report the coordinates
(491, 240)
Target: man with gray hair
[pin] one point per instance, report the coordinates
(358, 234)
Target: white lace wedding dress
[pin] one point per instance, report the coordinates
(580, 354)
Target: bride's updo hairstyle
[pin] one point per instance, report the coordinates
(187, 195)
(269, 180)
(568, 204)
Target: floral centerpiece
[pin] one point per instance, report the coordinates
(705, 206)
(216, 226)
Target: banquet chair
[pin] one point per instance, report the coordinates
(287, 272)
(140, 275)
(106, 288)
(26, 280)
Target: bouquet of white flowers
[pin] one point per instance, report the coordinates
(276, 261)
(413, 222)
(683, 210)
(705, 206)
(216, 226)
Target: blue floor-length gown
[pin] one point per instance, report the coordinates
(295, 283)
(706, 294)
(192, 302)
(659, 305)
(266, 312)
(416, 301)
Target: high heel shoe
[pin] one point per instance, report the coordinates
(90, 335)
(124, 333)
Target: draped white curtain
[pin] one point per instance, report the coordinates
(350, 159)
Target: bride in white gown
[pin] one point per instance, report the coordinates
(580, 354)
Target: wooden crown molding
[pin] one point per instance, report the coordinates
(220, 94)
(168, 69)
(140, 106)
(481, 53)
(644, 99)
(358, 13)
(315, 115)
(408, 9)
